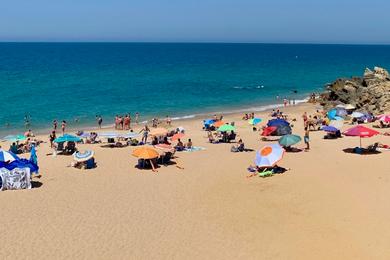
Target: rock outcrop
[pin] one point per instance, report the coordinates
(370, 92)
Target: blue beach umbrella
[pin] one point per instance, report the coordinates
(341, 112)
(329, 129)
(67, 138)
(332, 114)
(278, 122)
(6, 156)
(255, 121)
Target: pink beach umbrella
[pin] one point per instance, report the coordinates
(361, 131)
(384, 118)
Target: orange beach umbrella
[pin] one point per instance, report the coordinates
(145, 153)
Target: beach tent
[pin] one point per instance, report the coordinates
(15, 179)
(10, 161)
(6, 156)
(361, 131)
(288, 140)
(269, 155)
(278, 122)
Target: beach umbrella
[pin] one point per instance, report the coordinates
(340, 106)
(160, 131)
(208, 121)
(67, 138)
(14, 138)
(361, 131)
(109, 135)
(219, 123)
(33, 155)
(226, 128)
(269, 155)
(6, 156)
(145, 153)
(349, 107)
(165, 148)
(341, 112)
(288, 140)
(336, 123)
(255, 121)
(177, 136)
(83, 156)
(357, 115)
(384, 118)
(282, 130)
(277, 122)
(268, 130)
(332, 114)
(329, 128)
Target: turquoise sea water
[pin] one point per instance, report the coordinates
(80, 80)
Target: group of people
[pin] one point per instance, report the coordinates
(63, 126)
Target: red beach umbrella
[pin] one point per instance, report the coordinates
(268, 130)
(361, 131)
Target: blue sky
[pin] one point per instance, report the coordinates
(282, 21)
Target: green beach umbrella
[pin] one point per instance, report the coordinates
(67, 138)
(14, 138)
(226, 128)
(288, 140)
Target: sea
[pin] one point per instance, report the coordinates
(78, 81)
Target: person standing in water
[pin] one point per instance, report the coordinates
(55, 124)
(136, 118)
(63, 126)
(99, 121)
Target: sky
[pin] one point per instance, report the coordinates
(267, 21)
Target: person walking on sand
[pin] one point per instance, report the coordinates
(306, 138)
(145, 131)
(52, 137)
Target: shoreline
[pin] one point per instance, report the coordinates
(74, 128)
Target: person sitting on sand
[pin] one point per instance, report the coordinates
(155, 141)
(14, 148)
(189, 144)
(240, 147)
(165, 141)
(179, 146)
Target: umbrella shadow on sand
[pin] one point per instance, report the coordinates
(364, 151)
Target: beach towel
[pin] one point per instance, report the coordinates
(17, 179)
(194, 149)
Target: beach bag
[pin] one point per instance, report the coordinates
(17, 179)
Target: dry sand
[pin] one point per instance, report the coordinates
(330, 205)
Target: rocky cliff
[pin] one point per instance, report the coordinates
(370, 92)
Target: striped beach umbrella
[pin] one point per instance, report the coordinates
(83, 156)
(6, 156)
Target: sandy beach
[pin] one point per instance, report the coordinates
(329, 205)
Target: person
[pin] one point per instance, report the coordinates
(155, 141)
(29, 133)
(240, 147)
(179, 146)
(14, 148)
(189, 144)
(63, 126)
(99, 121)
(305, 118)
(285, 102)
(126, 122)
(136, 118)
(52, 137)
(55, 124)
(306, 138)
(169, 121)
(166, 141)
(145, 131)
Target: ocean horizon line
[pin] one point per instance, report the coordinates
(194, 42)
